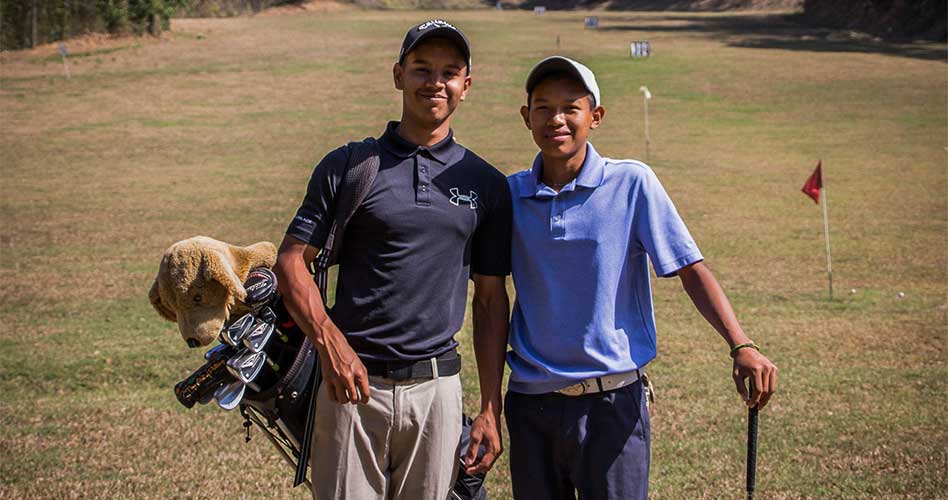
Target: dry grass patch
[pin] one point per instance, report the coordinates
(214, 130)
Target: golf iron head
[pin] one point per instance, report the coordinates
(228, 396)
(258, 337)
(267, 315)
(246, 365)
(237, 330)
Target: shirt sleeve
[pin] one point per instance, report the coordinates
(490, 245)
(315, 216)
(660, 230)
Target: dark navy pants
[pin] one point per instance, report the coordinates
(596, 445)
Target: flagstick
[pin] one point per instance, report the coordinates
(646, 95)
(826, 233)
(62, 53)
(66, 68)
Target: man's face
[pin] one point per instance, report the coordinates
(560, 116)
(433, 80)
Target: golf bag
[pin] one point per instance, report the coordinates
(280, 405)
(280, 400)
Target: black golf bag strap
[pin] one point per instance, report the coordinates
(361, 169)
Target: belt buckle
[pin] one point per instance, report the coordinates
(577, 389)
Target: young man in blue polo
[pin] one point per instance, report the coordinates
(583, 328)
(388, 413)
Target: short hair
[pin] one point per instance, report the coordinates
(566, 76)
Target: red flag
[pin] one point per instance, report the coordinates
(814, 183)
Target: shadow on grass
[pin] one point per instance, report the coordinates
(641, 5)
(777, 31)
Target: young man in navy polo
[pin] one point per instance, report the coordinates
(388, 417)
(583, 328)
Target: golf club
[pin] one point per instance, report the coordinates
(228, 396)
(200, 386)
(246, 365)
(751, 451)
(258, 337)
(267, 314)
(261, 286)
(220, 351)
(233, 334)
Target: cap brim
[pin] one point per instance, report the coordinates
(442, 32)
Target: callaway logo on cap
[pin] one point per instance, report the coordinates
(435, 22)
(435, 28)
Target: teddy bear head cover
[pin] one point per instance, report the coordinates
(200, 280)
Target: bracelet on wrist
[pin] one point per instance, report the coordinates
(738, 347)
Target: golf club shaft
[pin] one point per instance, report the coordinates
(751, 451)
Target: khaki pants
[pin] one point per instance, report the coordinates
(402, 445)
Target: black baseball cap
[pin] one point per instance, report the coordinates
(435, 28)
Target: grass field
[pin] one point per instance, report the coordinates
(214, 130)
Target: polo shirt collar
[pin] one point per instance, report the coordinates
(443, 151)
(590, 175)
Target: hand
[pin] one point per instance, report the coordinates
(343, 372)
(485, 430)
(751, 364)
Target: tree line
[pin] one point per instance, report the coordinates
(28, 23)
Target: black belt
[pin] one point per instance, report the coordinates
(448, 364)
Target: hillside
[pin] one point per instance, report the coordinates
(891, 19)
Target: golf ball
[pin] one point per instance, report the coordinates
(853, 291)
(901, 294)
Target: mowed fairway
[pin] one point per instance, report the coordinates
(214, 130)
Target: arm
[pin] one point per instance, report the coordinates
(343, 371)
(709, 299)
(491, 315)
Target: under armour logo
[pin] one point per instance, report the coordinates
(457, 198)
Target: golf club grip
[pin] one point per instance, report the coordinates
(751, 451)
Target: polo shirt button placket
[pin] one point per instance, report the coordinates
(422, 196)
(558, 223)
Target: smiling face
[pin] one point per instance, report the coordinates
(560, 116)
(434, 80)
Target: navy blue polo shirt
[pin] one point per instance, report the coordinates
(434, 216)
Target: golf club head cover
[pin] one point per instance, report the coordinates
(261, 286)
(200, 385)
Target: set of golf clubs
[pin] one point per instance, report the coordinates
(244, 341)
(233, 365)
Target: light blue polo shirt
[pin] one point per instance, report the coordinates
(580, 263)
